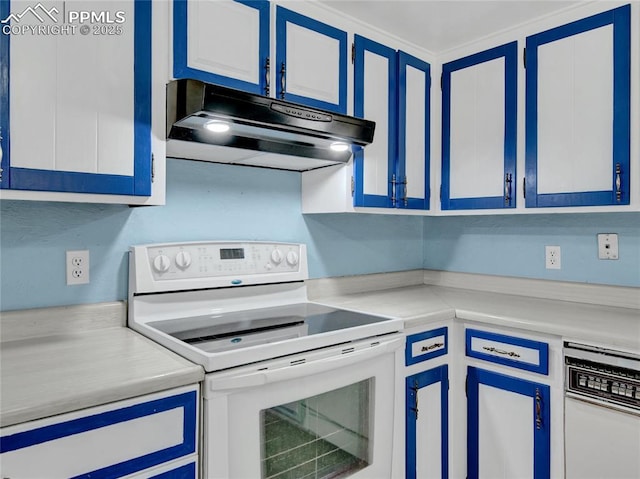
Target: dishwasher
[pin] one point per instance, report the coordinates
(602, 413)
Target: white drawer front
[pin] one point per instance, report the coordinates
(428, 345)
(506, 351)
(110, 441)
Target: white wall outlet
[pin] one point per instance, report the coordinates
(607, 246)
(552, 257)
(78, 267)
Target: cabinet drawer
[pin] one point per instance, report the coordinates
(510, 351)
(423, 346)
(109, 441)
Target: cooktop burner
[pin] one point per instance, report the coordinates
(234, 330)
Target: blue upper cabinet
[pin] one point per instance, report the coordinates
(578, 112)
(392, 88)
(479, 130)
(311, 62)
(76, 109)
(223, 42)
(375, 98)
(414, 108)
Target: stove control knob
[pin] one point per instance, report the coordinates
(276, 256)
(183, 259)
(161, 263)
(292, 258)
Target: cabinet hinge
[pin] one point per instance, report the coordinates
(153, 168)
(441, 81)
(353, 53)
(440, 192)
(524, 57)
(353, 186)
(524, 187)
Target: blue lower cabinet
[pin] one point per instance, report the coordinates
(508, 426)
(420, 416)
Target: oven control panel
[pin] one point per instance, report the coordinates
(197, 265)
(222, 259)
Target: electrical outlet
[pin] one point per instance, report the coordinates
(607, 246)
(78, 267)
(552, 257)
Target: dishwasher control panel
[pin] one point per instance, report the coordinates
(610, 383)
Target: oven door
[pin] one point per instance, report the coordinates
(326, 413)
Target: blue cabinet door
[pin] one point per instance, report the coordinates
(507, 417)
(479, 116)
(375, 98)
(37, 133)
(414, 110)
(311, 62)
(226, 43)
(578, 112)
(415, 426)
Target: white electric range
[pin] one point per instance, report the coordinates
(278, 365)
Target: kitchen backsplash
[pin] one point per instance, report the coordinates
(204, 201)
(207, 201)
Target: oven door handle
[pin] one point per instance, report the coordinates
(303, 369)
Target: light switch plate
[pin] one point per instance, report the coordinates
(607, 246)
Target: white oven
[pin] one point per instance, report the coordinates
(293, 389)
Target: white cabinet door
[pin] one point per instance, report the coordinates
(76, 102)
(578, 112)
(479, 130)
(222, 42)
(508, 430)
(311, 61)
(414, 85)
(427, 424)
(109, 441)
(375, 98)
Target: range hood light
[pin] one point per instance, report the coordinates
(339, 146)
(217, 126)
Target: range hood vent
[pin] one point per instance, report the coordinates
(213, 123)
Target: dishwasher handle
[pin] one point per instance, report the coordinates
(299, 367)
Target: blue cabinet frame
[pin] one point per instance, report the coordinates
(285, 16)
(510, 53)
(619, 18)
(74, 182)
(362, 45)
(540, 417)
(181, 69)
(413, 384)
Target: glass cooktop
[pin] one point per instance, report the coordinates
(240, 329)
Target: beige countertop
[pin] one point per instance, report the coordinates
(52, 374)
(418, 305)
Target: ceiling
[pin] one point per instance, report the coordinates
(439, 25)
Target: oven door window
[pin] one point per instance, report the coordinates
(321, 436)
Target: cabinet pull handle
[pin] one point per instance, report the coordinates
(538, 409)
(415, 396)
(491, 349)
(405, 200)
(267, 76)
(618, 182)
(507, 189)
(394, 182)
(283, 80)
(432, 346)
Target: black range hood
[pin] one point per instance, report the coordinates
(214, 123)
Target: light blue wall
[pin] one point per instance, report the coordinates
(209, 201)
(204, 201)
(515, 246)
